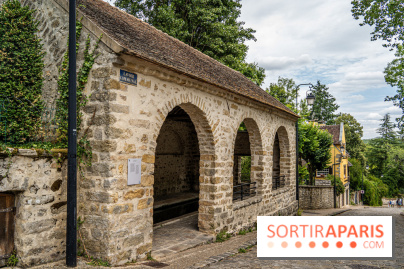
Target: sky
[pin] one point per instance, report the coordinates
(315, 40)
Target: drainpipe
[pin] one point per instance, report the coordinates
(335, 183)
(71, 229)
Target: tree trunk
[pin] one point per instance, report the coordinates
(311, 174)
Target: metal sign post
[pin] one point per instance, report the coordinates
(71, 229)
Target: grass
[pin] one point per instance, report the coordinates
(222, 236)
(244, 250)
(242, 232)
(98, 262)
(149, 257)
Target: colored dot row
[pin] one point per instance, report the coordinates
(312, 244)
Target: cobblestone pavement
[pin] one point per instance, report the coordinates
(250, 260)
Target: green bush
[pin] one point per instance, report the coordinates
(340, 189)
(355, 175)
(21, 69)
(375, 190)
(246, 168)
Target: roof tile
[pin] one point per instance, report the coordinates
(145, 41)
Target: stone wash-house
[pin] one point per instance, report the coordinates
(179, 116)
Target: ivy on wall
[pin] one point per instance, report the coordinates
(84, 148)
(21, 80)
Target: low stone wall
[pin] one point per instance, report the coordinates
(39, 186)
(316, 197)
(323, 182)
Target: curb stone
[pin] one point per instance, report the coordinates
(339, 212)
(218, 258)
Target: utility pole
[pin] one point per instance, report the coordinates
(71, 228)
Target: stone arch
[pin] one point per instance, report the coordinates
(206, 152)
(281, 159)
(255, 150)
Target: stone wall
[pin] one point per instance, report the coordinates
(322, 197)
(323, 182)
(39, 186)
(316, 197)
(177, 159)
(124, 121)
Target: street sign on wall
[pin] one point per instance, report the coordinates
(128, 77)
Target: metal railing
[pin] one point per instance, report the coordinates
(276, 182)
(244, 190)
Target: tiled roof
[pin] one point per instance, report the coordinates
(144, 41)
(334, 130)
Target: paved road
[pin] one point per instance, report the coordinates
(250, 260)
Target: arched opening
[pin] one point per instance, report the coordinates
(276, 165)
(281, 161)
(247, 168)
(176, 172)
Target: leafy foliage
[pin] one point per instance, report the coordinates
(376, 153)
(84, 148)
(386, 160)
(375, 190)
(385, 16)
(393, 174)
(314, 147)
(355, 174)
(353, 134)
(339, 186)
(386, 129)
(222, 236)
(246, 168)
(209, 26)
(12, 260)
(325, 105)
(21, 69)
(394, 76)
(285, 91)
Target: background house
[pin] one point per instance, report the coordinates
(339, 164)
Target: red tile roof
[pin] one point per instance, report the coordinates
(334, 130)
(144, 41)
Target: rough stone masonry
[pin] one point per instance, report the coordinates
(125, 120)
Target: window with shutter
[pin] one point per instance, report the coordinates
(7, 216)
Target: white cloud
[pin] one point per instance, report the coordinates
(279, 63)
(338, 52)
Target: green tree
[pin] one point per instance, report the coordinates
(21, 68)
(375, 190)
(394, 76)
(210, 26)
(355, 174)
(353, 136)
(385, 16)
(314, 148)
(325, 105)
(285, 91)
(386, 129)
(393, 175)
(340, 189)
(376, 154)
